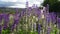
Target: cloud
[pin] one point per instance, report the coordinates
(13, 4)
(19, 3)
(5, 4)
(8, 0)
(18, 6)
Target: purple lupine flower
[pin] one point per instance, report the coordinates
(48, 18)
(12, 27)
(26, 4)
(53, 17)
(39, 27)
(1, 16)
(48, 30)
(34, 6)
(58, 21)
(16, 18)
(19, 13)
(37, 12)
(29, 11)
(16, 10)
(29, 8)
(22, 13)
(0, 29)
(6, 20)
(16, 21)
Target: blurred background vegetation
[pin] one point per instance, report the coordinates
(54, 5)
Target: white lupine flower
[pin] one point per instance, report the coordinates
(41, 11)
(44, 8)
(55, 25)
(33, 16)
(36, 19)
(42, 16)
(11, 16)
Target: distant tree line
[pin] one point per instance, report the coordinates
(54, 5)
(10, 10)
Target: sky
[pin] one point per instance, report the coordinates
(19, 3)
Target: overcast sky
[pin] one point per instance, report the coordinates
(19, 3)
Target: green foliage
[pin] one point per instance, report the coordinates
(54, 5)
(54, 31)
(6, 31)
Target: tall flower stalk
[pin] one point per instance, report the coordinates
(39, 28)
(1, 16)
(0, 29)
(48, 30)
(58, 21)
(6, 20)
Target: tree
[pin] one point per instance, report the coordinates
(54, 5)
